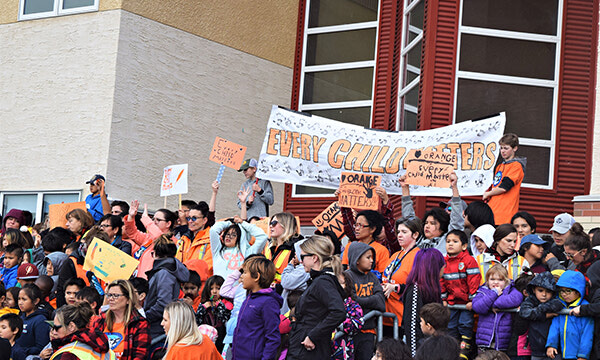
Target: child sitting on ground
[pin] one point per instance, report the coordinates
(256, 335)
(495, 327)
(571, 334)
(538, 309)
(460, 282)
(11, 327)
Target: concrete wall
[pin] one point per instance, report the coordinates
(56, 100)
(174, 93)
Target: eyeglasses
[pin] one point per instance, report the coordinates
(103, 226)
(273, 223)
(55, 327)
(302, 256)
(570, 256)
(194, 218)
(231, 235)
(155, 219)
(566, 291)
(360, 226)
(114, 296)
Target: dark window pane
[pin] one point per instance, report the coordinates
(337, 12)
(412, 97)
(38, 6)
(538, 164)
(532, 16)
(310, 190)
(528, 108)
(338, 47)
(409, 121)
(357, 116)
(416, 15)
(338, 85)
(410, 76)
(501, 56)
(414, 55)
(70, 4)
(20, 201)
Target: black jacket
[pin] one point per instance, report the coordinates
(593, 308)
(318, 312)
(535, 312)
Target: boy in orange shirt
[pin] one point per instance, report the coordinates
(503, 196)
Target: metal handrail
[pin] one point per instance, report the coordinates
(512, 310)
(380, 316)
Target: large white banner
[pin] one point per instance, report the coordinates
(311, 150)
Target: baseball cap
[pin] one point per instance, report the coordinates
(248, 163)
(532, 238)
(562, 223)
(94, 178)
(27, 272)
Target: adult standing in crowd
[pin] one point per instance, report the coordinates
(556, 259)
(79, 221)
(261, 197)
(13, 220)
(97, 202)
(502, 252)
(112, 225)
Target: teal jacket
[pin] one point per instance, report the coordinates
(572, 335)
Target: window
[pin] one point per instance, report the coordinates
(508, 60)
(36, 202)
(410, 64)
(35, 9)
(340, 42)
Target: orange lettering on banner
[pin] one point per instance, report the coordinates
(356, 156)
(330, 219)
(366, 166)
(285, 139)
(454, 150)
(272, 141)
(430, 168)
(305, 141)
(335, 160)
(295, 145)
(377, 167)
(317, 143)
(465, 156)
(478, 149)
(393, 163)
(227, 153)
(491, 159)
(357, 191)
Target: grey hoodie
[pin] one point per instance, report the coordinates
(369, 293)
(57, 259)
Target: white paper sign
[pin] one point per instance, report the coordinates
(311, 150)
(174, 180)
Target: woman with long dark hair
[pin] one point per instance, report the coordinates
(422, 287)
(502, 252)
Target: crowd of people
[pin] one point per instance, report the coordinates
(457, 282)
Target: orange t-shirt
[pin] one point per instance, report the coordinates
(205, 351)
(506, 205)
(116, 338)
(396, 272)
(382, 256)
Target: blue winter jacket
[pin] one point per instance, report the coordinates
(257, 334)
(9, 276)
(571, 335)
(36, 332)
(495, 327)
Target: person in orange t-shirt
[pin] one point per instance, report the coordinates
(185, 342)
(503, 196)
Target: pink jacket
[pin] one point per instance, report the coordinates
(143, 242)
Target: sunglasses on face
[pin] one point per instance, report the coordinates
(55, 327)
(193, 218)
(570, 256)
(302, 256)
(273, 223)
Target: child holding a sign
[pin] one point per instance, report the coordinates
(436, 222)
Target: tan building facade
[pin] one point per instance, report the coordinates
(125, 88)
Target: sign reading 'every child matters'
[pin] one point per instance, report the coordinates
(430, 168)
(357, 191)
(310, 150)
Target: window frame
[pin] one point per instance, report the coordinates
(39, 208)
(332, 67)
(516, 80)
(57, 11)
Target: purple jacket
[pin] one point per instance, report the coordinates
(256, 335)
(495, 326)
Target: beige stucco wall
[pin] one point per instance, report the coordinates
(266, 29)
(56, 94)
(175, 92)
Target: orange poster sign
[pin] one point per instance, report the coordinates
(357, 191)
(227, 153)
(57, 213)
(430, 168)
(330, 219)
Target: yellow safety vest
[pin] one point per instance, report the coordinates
(280, 261)
(514, 265)
(84, 352)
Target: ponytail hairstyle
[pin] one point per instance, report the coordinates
(164, 247)
(169, 216)
(78, 314)
(578, 240)
(322, 247)
(183, 327)
(426, 274)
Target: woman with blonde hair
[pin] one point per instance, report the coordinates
(321, 308)
(128, 331)
(284, 233)
(184, 340)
